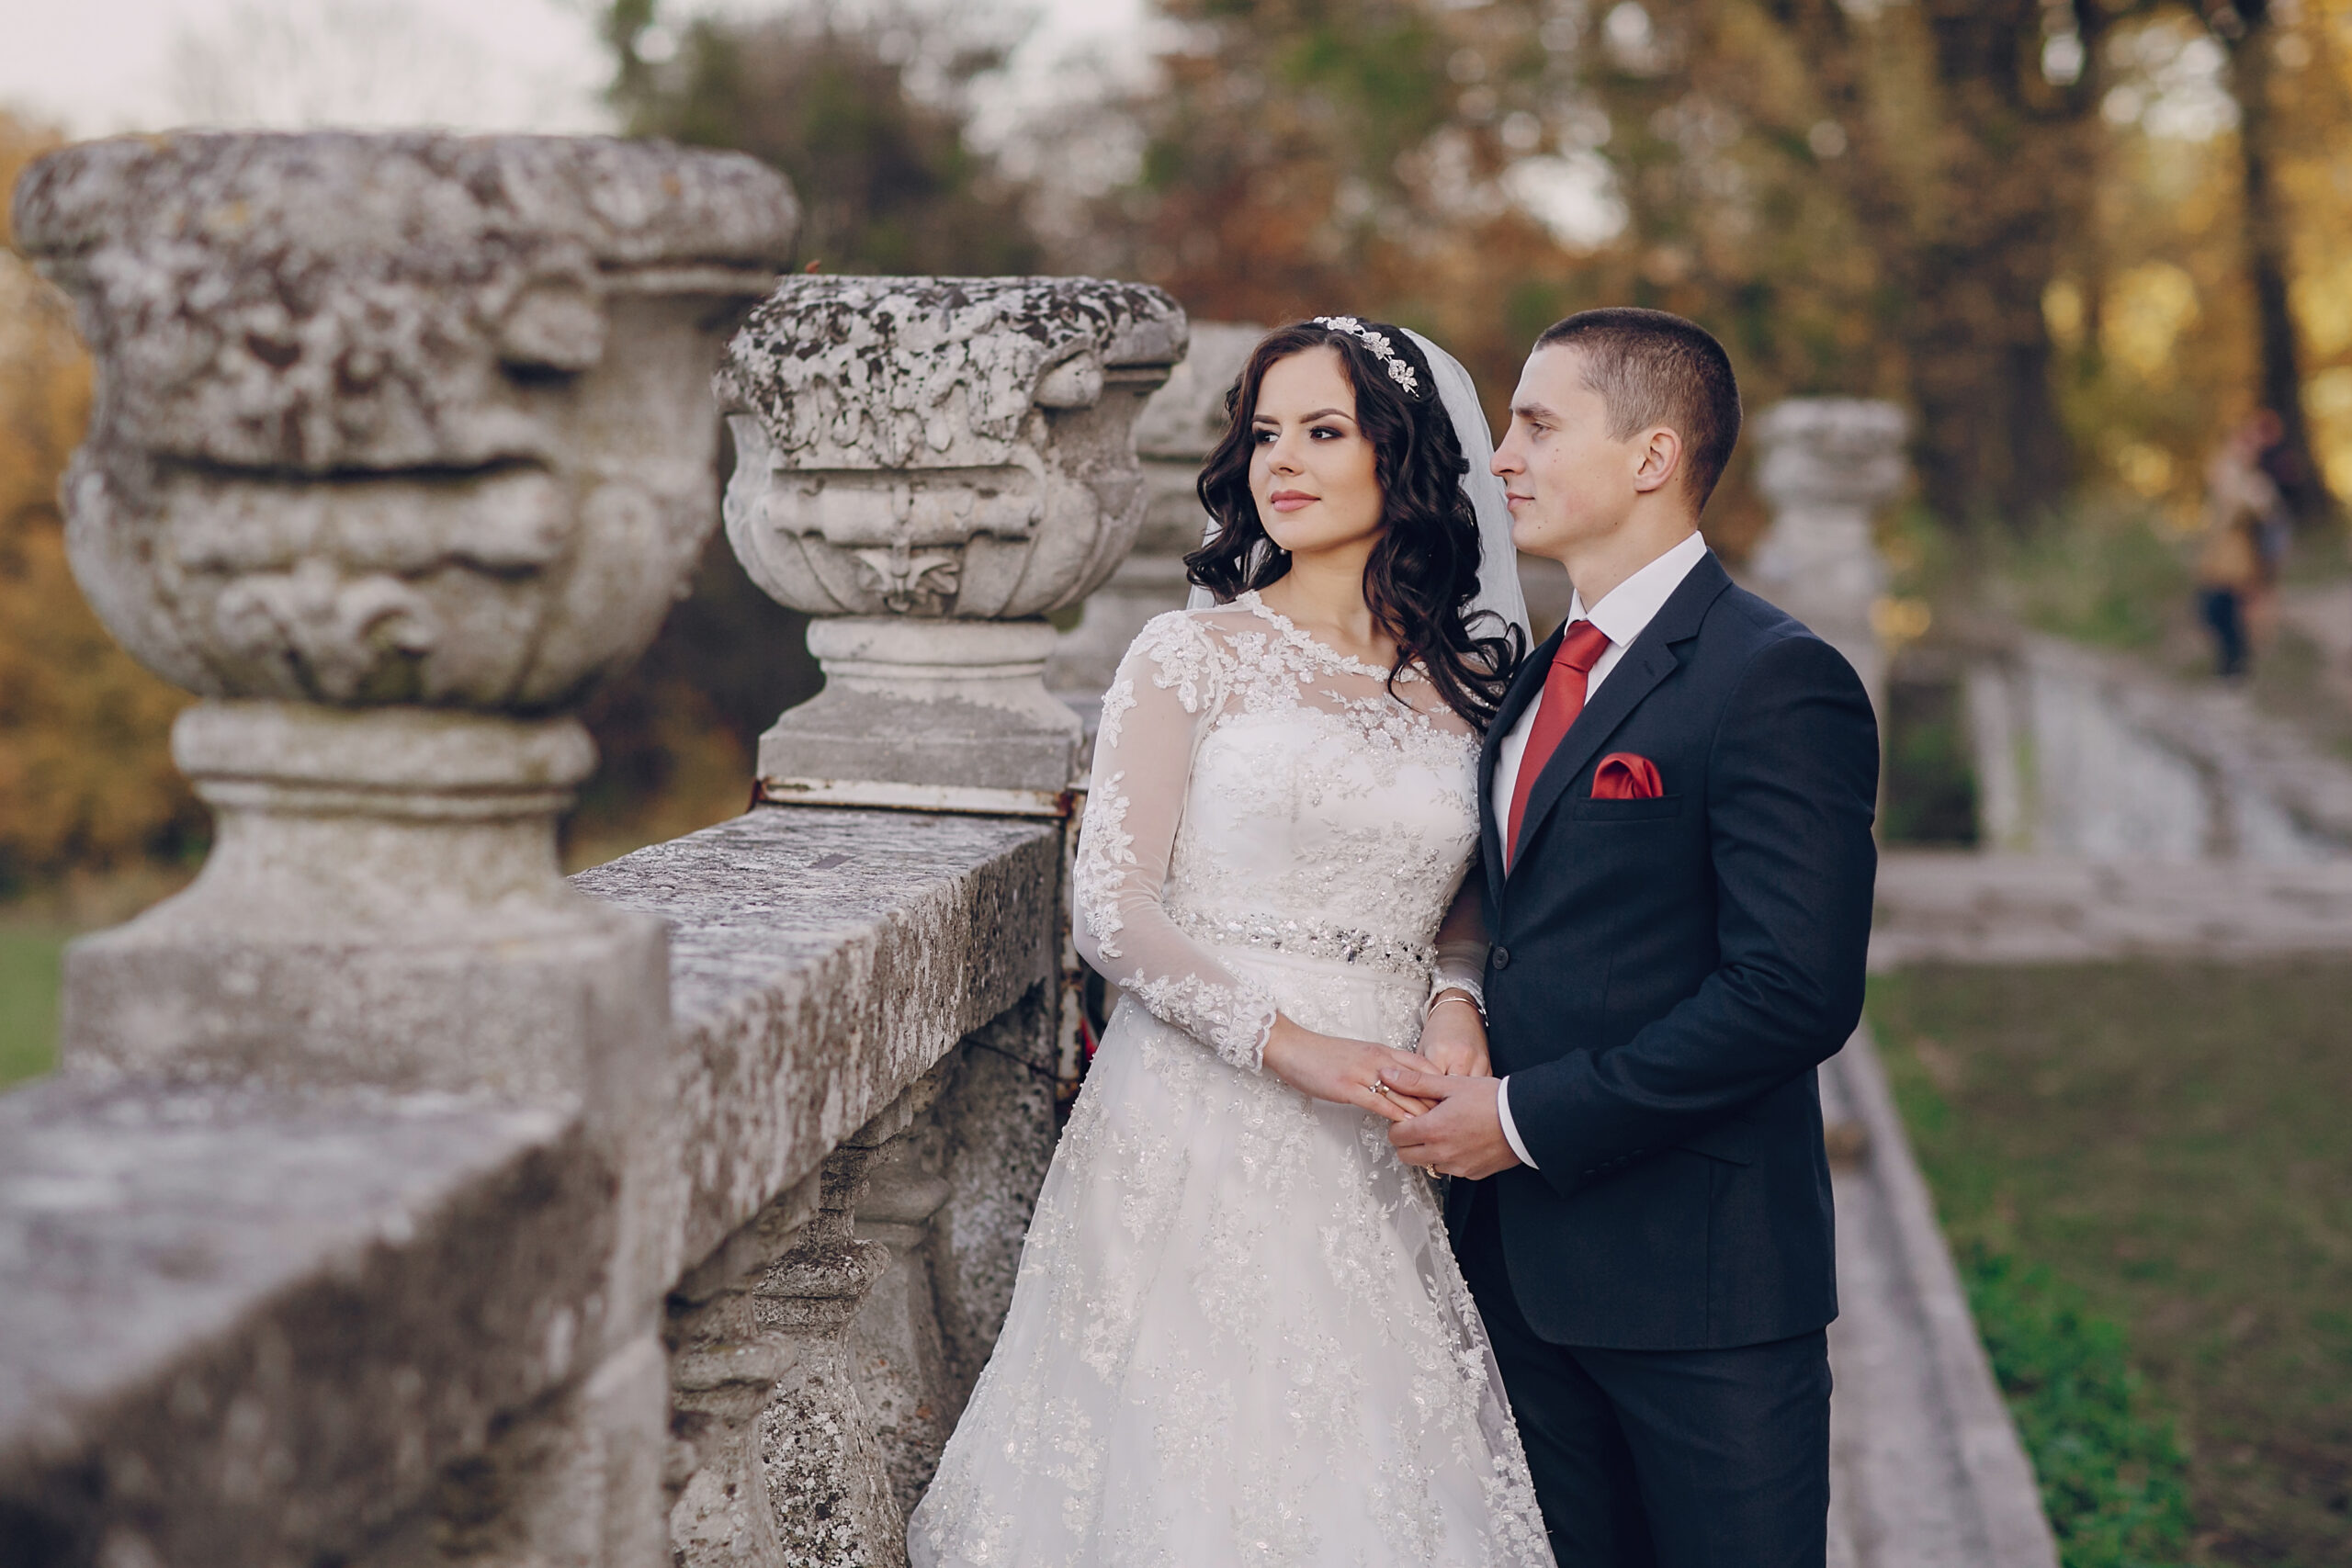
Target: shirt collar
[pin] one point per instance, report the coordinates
(1626, 609)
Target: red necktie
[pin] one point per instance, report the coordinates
(1564, 687)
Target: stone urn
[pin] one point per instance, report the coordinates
(1827, 466)
(928, 467)
(401, 444)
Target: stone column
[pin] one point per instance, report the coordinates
(1828, 466)
(403, 443)
(725, 1364)
(929, 466)
(1179, 427)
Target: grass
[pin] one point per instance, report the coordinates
(28, 961)
(2101, 573)
(2146, 1169)
(2108, 1458)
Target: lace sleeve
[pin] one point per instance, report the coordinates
(1166, 692)
(1461, 945)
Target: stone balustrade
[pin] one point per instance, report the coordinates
(254, 1325)
(400, 1202)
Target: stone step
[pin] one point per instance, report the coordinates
(1963, 908)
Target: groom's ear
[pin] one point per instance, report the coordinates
(1661, 459)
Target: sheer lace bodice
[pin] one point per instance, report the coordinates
(1255, 788)
(1238, 1334)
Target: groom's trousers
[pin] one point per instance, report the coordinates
(1678, 1459)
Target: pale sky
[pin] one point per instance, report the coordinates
(96, 67)
(99, 66)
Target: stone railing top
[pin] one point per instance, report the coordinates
(819, 961)
(318, 300)
(935, 372)
(141, 1222)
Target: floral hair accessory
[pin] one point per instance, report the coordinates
(1383, 349)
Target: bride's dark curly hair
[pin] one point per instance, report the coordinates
(1424, 568)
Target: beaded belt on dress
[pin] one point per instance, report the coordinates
(1309, 938)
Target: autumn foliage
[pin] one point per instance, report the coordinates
(86, 780)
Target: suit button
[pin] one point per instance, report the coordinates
(1500, 958)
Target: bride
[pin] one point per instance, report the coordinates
(1239, 1334)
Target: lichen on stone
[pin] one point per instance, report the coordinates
(331, 300)
(903, 372)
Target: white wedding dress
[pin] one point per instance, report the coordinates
(1238, 1334)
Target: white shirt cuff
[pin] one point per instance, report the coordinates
(1511, 1128)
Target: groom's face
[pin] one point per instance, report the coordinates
(1568, 480)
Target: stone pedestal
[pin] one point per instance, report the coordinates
(941, 461)
(1178, 429)
(1828, 466)
(382, 906)
(986, 722)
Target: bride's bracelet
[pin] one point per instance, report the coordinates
(1465, 997)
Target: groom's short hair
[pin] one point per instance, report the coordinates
(1651, 368)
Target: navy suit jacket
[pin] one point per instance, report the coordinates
(1666, 974)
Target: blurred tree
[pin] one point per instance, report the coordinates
(2252, 33)
(1304, 157)
(866, 112)
(863, 110)
(1942, 202)
(1963, 137)
(86, 781)
(1428, 164)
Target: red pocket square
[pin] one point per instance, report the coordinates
(1625, 776)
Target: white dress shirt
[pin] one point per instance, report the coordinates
(1621, 615)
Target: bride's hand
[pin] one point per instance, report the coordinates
(1347, 1072)
(1454, 1038)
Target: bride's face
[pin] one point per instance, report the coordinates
(1311, 469)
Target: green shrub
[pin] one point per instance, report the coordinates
(1930, 775)
(2112, 1477)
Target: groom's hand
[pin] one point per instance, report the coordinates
(1460, 1136)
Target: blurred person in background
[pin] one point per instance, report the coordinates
(2274, 535)
(2244, 542)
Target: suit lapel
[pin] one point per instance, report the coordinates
(1648, 660)
(1525, 688)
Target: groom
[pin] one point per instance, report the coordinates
(1677, 802)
